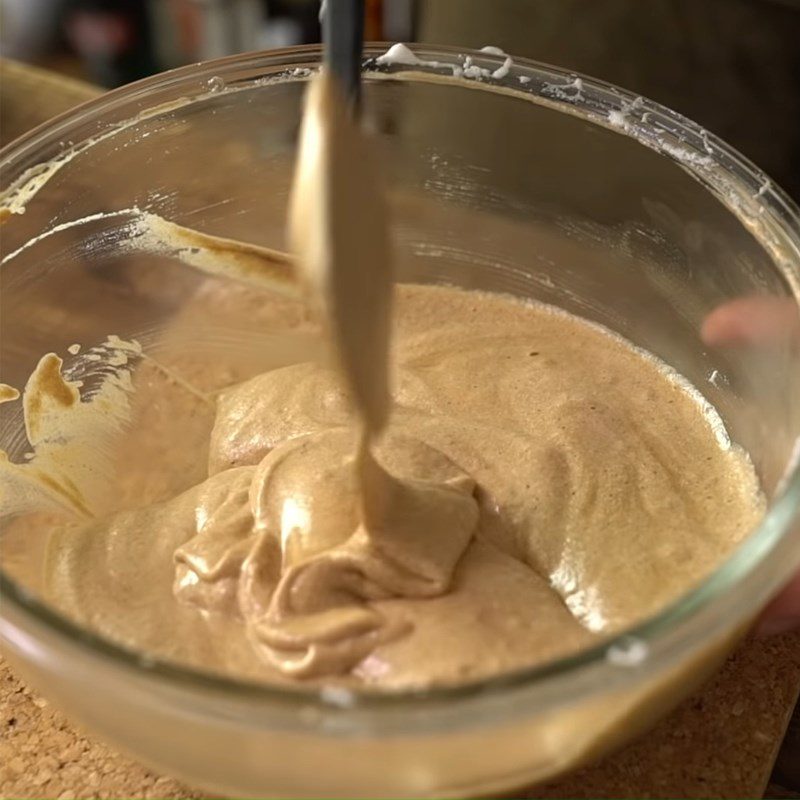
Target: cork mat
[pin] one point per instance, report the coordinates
(722, 742)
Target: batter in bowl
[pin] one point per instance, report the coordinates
(591, 484)
(533, 485)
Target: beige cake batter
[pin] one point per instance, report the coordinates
(594, 491)
(538, 484)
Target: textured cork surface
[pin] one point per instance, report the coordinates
(722, 742)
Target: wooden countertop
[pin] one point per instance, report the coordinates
(722, 742)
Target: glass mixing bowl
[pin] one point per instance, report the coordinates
(517, 178)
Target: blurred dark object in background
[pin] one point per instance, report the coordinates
(112, 42)
(731, 65)
(212, 28)
(113, 39)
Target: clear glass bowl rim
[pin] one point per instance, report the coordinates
(754, 571)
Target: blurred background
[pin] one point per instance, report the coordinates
(731, 65)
